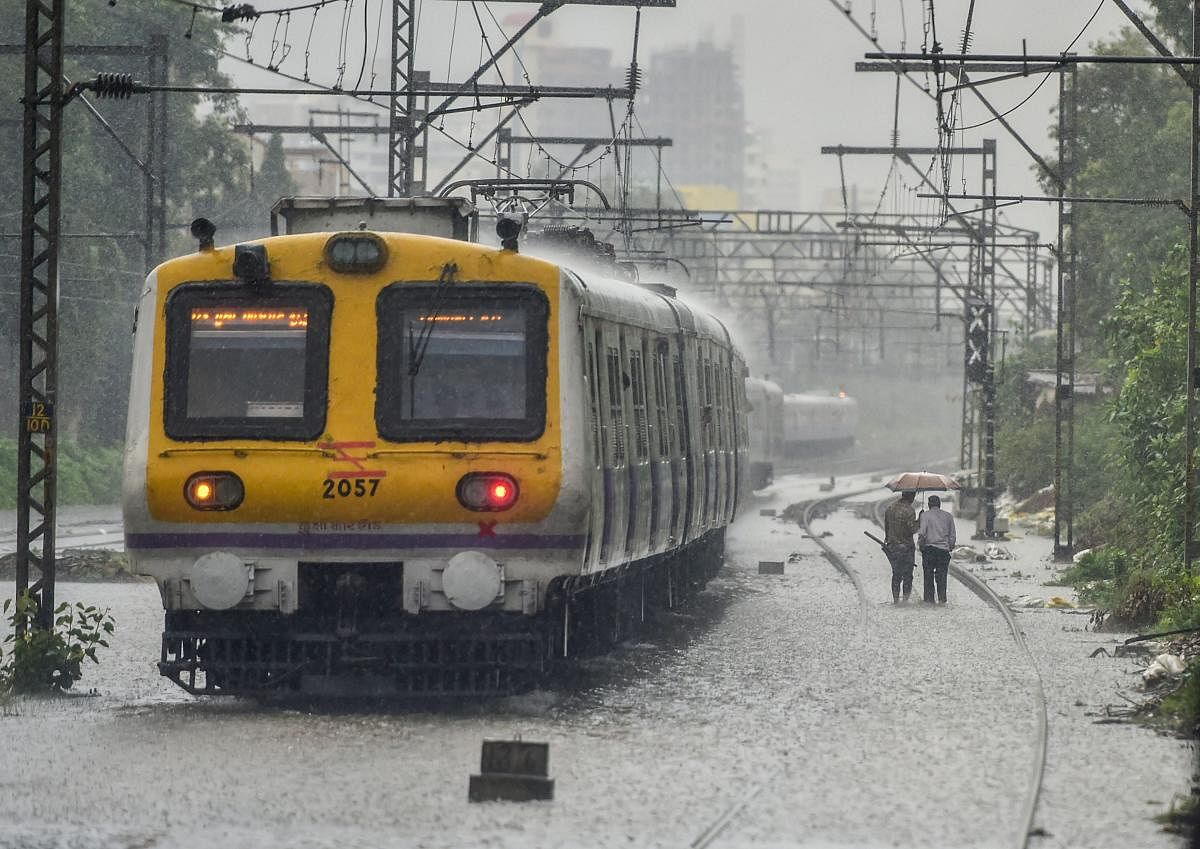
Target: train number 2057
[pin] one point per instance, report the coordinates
(346, 488)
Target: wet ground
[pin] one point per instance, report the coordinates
(767, 708)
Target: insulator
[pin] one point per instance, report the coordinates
(113, 86)
(633, 78)
(238, 12)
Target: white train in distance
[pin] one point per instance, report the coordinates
(785, 429)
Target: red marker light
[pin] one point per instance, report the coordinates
(487, 491)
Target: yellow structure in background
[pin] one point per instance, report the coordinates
(704, 196)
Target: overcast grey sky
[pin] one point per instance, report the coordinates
(801, 89)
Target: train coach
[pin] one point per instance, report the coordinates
(765, 401)
(377, 463)
(815, 424)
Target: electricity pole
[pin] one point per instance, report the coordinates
(41, 217)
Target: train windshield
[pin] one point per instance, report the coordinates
(246, 364)
(462, 362)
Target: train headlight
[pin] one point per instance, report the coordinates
(220, 580)
(489, 491)
(214, 491)
(356, 253)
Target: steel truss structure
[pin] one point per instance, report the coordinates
(1064, 394)
(818, 283)
(40, 227)
(46, 94)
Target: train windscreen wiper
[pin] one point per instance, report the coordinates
(420, 344)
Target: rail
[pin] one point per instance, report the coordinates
(981, 588)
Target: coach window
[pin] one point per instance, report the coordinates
(462, 362)
(247, 363)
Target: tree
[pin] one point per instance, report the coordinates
(207, 169)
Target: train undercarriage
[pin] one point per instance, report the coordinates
(354, 648)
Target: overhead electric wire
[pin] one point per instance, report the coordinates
(1045, 76)
(322, 89)
(245, 11)
(608, 148)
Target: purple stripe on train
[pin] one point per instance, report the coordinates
(357, 542)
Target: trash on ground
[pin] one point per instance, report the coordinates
(1029, 601)
(998, 552)
(1164, 666)
(1060, 602)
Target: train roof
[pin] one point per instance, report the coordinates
(646, 305)
(761, 384)
(806, 399)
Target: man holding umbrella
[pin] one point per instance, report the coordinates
(899, 525)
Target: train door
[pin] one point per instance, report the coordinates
(661, 479)
(639, 447)
(684, 472)
(721, 417)
(741, 442)
(704, 386)
(601, 511)
(616, 489)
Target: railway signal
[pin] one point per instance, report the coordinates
(978, 322)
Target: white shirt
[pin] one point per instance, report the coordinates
(936, 529)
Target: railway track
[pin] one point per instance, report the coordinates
(813, 511)
(1038, 768)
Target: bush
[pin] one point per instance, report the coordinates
(1025, 454)
(1108, 522)
(87, 474)
(50, 661)
(1098, 575)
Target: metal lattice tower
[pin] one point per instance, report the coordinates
(987, 289)
(40, 223)
(1064, 394)
(406, 162)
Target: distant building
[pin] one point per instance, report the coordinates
(549, 61)
(694, 96)
(314, 167)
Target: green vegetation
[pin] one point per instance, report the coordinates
(1132, 141)
(208, 171)
(50, 661)
(1128, 481)
(87, 474)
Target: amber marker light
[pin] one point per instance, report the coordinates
(487, 491)
(214, 491)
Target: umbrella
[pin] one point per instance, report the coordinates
(921, 482)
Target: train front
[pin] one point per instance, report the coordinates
(342, 469)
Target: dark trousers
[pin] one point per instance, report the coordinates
(902, 558)
(935, 562)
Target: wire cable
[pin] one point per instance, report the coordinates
(1045, 76)
(323, 88)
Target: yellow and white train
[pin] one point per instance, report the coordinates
(370, 462)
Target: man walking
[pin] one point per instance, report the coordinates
(899, 525)
(936, 538)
